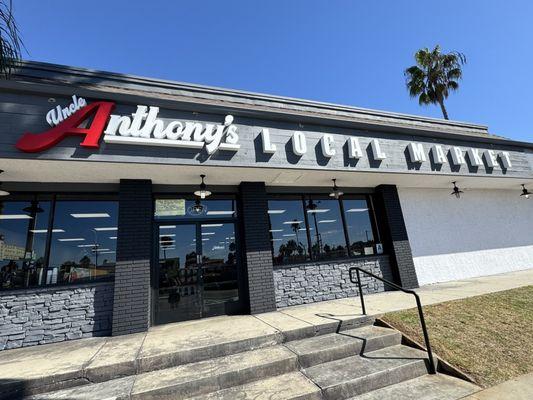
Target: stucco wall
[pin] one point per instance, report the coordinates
(313, 282)
(485, 232)
(48, 315)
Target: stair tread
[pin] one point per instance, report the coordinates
(347, 369)
(109, 390)
(331, 340)
(188, 379)
(291, 386)
(427, 387)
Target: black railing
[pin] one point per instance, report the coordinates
(398, 287)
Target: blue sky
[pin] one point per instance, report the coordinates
(347, 52)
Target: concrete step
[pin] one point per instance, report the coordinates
(193, 379)
(427, 387)
(333, 346)
(291, 386)
(352, 376)
(53, 367)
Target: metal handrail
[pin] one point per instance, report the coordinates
(408, 291)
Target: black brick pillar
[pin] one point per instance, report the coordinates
(257, 250)
(131, 308)
(395, 234)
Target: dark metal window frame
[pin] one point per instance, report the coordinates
(306, 196)
(53, 198)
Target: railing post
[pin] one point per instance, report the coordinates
(426, 336)
(360, 291)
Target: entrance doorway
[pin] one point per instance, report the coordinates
(197, 270)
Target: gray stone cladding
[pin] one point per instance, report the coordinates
(47, 315)
(320, 281)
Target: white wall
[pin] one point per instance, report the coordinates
(484, 232)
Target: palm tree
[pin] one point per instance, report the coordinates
(434, 76)
(10, 41)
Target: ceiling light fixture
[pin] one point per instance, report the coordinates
(525, 193)
(203, 192)
(456, 191)
(336, 193)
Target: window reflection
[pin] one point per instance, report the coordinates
(83, 245)
(325, 228)
(320, 228)
(23, 233)
(359, 226)
(288, 231)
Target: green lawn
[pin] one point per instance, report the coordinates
(489, 337)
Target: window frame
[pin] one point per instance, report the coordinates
(368, 197)
(53, 198)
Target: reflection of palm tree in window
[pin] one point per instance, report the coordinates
(296, 227)
(312, 206)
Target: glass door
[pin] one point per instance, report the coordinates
(197, 271)
(179, 294)
(219, 269)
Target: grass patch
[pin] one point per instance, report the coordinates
(489, 337)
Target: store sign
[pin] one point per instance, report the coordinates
(143, 127)
(94, 122)
(169, 207)
(417, 153)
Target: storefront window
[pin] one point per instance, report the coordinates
(288, 231)
(80, 246)
(359, 226)
(83, 245)
(317, 227)
(326, 229)
(23, 233)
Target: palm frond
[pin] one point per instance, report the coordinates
(11, 44)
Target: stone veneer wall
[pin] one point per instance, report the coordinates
(47, 315)
(309, 283)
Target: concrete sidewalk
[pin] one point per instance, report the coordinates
(94, 360)
(520, 388)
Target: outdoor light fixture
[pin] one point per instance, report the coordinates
(203, 192)
(336, 193)
(456, 190)
(525, 193)
(3, 192)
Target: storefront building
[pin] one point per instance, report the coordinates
(130, 202)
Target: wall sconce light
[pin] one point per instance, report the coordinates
(203, 192)
(336, 193)
(3, 192)
(525, 193)
(456, 191)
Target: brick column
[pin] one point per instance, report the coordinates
(257, 249)
(396, 236)
(131, 308)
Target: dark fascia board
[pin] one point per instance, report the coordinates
(58, 79)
